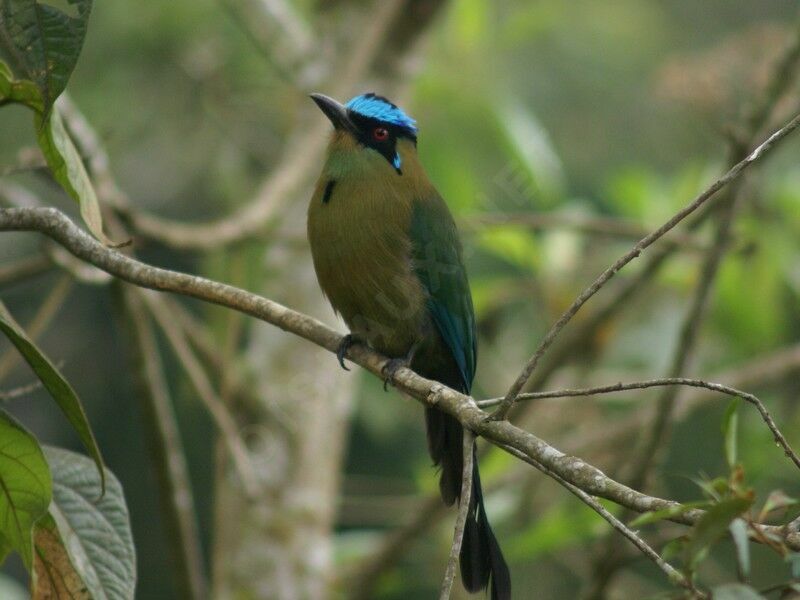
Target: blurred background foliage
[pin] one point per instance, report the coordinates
(617, 110)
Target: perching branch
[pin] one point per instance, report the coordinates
(461, 520)
(760, 151)
(591, 480)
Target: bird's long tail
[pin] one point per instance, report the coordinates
(481, 559)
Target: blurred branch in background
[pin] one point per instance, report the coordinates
(280, 34)
(605, 226)
(223, 419)
(166, 449)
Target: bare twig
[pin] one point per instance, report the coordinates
(461, 520)
(673, 574)
(58, 227)
(732, 174)
(666, 382)
(167, 451)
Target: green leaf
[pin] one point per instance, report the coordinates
(5, 550)
(730, 422)
(13, 90)
(54, 575)
(54, 382)
(738, 529)
(41, 43)
(65, 162)
(654, 516)
(735, 591)
(713, 525)
(96, 533)
(25, 486)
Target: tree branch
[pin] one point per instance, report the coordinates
(591, 480)
(672, 574)
(760, 151)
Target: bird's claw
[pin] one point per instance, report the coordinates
(344, 346)
(391, 368)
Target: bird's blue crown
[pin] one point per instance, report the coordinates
(379, 108)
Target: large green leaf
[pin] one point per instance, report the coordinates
(67, 167)
(25, 486)
(96, 533)
(54, 382)
(41, 43)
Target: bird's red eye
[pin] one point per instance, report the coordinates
(380, 134)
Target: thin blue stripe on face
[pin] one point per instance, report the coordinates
(379, 108)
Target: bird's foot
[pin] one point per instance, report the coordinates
(391, 368)
(344, 346)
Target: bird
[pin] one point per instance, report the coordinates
(388, 257)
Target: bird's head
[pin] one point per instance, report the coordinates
(368, 129)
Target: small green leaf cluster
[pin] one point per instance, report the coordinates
(730, 513)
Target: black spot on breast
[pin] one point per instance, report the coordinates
(328, 191)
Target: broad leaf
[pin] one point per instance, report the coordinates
(67, 167)
(41, 43)
(54, 575)
(59, 388)
(96, 533)
(25, 486)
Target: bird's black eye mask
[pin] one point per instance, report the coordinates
(381, 137)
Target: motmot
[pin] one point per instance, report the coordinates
(388, 257)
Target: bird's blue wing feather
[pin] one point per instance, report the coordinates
(439, 266)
